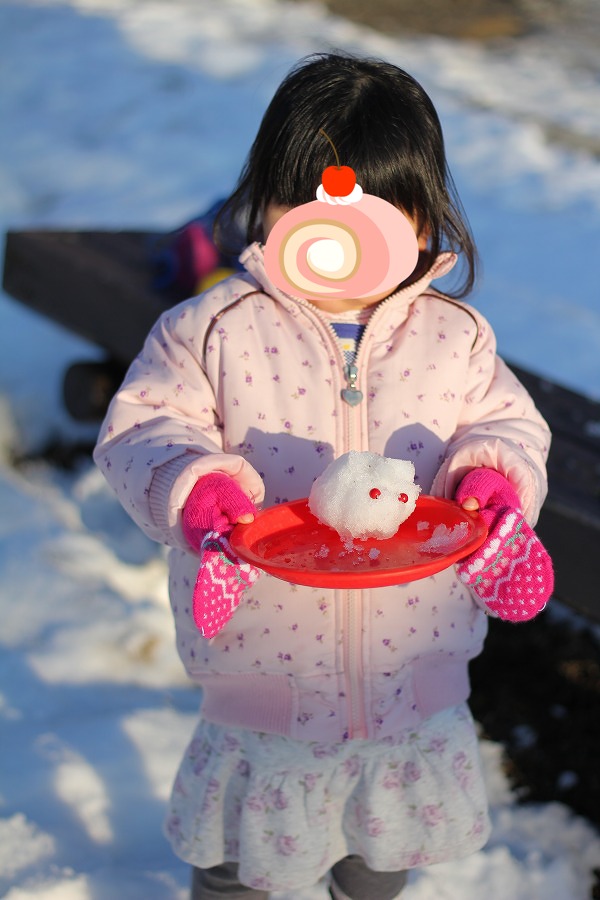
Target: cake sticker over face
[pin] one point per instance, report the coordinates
(346, 244)
(365, 495)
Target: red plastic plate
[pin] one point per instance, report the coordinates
(289, 542)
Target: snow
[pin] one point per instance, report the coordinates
(127, 113)
(444, 538)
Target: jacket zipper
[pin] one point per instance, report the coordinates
(353, 626)
(352, 645)
(351, 394)
(353, 631)
(353, 662)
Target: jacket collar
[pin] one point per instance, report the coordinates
(252, 258)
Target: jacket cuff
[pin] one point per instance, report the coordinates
(530, 487)
(161, 487)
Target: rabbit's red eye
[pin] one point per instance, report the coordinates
(375, 493)
(403, 498)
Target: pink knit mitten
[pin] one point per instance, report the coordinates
(215, 504)
(511, 571)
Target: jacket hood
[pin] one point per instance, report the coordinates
(252, 258)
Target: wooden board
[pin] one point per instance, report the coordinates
(97, 284)
(569, 524)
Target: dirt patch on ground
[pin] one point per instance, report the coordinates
(480, 20)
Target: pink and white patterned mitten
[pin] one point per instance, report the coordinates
(214, 506)
(511, 571)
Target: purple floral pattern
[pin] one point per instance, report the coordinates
(289, 809)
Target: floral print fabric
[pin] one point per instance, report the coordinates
(288, 810)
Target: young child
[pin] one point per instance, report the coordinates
(334, 733)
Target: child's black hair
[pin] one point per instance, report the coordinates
(382, 123)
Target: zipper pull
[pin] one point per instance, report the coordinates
(351, 394)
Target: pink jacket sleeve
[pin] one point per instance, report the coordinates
(500, 428)
(162, 430)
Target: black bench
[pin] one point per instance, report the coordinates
(89, 281)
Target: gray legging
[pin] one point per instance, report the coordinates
(351, 874)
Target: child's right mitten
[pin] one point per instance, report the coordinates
(511, 572)
(216, 503)
(214, 506)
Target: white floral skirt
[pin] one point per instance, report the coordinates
(288, 810)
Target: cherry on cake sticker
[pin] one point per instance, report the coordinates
(344, 245)
(338, 180)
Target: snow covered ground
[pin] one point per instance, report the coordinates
(125, 113)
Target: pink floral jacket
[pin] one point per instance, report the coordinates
(249, 381)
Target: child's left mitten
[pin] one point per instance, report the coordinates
(511, 572)
(214, 506)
